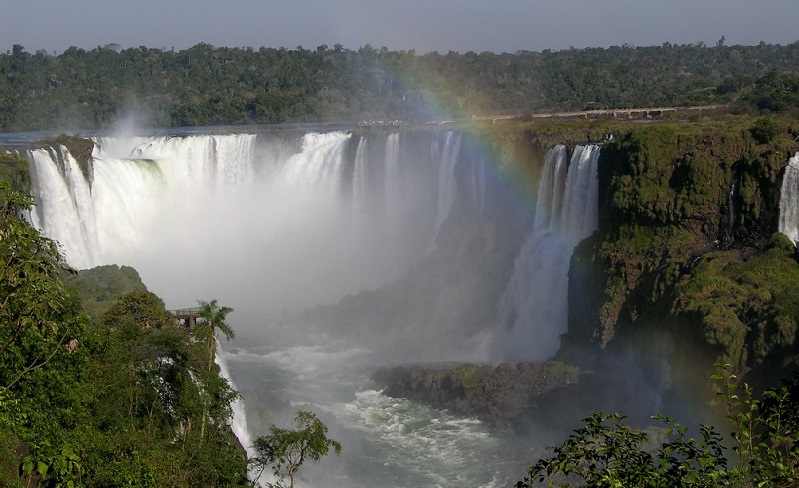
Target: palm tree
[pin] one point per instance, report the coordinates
(214, 317)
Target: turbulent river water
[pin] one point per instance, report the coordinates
(387, 442)
(272, 222)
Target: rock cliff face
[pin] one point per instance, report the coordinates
(677, 269)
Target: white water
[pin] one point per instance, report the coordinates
(229, 219)
(387, 442)
(533, 312)
(789, 200)
(265, 224)
(446, 180)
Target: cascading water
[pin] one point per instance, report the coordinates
(264, 223)
(359, 181)
(63, 199)
(446, 180)
(533, 312)
(789, 200)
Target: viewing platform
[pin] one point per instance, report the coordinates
(186, 317)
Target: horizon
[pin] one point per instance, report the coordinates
(119, 48)
(506, 26)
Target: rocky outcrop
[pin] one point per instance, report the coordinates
(686, 212)
(500, 395)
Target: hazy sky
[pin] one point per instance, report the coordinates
(424, 25)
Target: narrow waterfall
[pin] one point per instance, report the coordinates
(533, 311)
(478, 185)
(446, 180)
(729, 238)
(393, 183)
(789, 200)
(359, 180)
(239, 424)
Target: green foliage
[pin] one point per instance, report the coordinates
(206, 85)
(139, 308)
(747, 309)
(14, 170)
(286, 450)
(213, 318)
(775, 91)
(605, 452)
(764, 430)
(765, 130)
(99, 287)
(61, 469)
(668, 195)
(40, 341)
(126, 401)
(162, 414)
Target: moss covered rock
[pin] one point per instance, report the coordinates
(685, 245)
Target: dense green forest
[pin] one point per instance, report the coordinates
(205, 85)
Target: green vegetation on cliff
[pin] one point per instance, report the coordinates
(14, 170)
(685, 248)
(748, 309)
(123, 398)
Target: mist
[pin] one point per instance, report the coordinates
(266, 223)
(339, 252)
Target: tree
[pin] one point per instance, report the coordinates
(214, 317)
(765, 130)
(607, 453)
(285, 450)
(41, 319)
(42, 351)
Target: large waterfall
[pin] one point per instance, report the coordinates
(789, 200)
(289, 221)
(279, 221)
(534, 309)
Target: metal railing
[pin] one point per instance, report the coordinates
(185, 311)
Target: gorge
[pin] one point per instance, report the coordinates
(343, 251)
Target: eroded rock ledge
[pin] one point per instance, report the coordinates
(498, 395)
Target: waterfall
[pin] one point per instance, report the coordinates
(789, 200)
(359, 181)
(478, 185)
(533, 311)
(239, 424)
(393, 182)
(241, 210)
(446, 179)
(68, 215)
(730, 237)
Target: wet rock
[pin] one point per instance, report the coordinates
(497, 395)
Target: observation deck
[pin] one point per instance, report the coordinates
(186, 317)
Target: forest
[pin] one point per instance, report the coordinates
(207, 85)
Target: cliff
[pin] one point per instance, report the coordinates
(684, 269)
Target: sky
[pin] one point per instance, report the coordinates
(422, 25)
